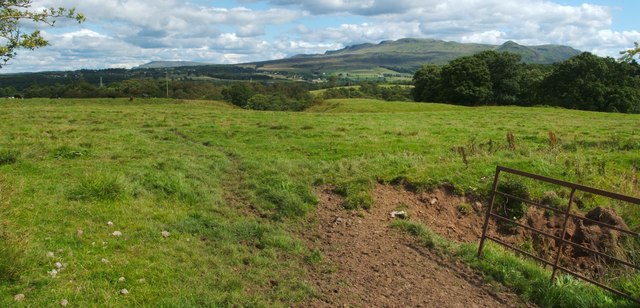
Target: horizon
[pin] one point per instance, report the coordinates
(131, 33)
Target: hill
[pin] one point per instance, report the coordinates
(407, 55)
(169, 64)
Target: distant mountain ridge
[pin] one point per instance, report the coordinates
(407, 55)
(169, 64)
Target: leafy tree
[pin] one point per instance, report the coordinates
(531, 78)
(238, 94)
(427, 83)
(627, 55)
(505, 71)
(466, 81)
(589, 82)
(12, 38)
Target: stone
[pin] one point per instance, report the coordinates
(58, 265)
(64, 303)
(477, 206)
(165, 234)
(80, 232)
(121, 279)
(110, 223)
(53, 273)
(399, 214)
(124, 292)
(116, 233)
(19, 297)
(50, 254)
(104, 260)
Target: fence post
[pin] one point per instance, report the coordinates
(564, 234)
(489, 209)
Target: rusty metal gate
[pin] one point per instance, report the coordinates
(561, 240)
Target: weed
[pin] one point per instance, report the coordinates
(464, 209)
(511, 140)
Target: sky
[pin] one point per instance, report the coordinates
(127, 33)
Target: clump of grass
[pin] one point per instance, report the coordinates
(356, 193)
(511, 208)
(68, 152)
(280, 196)
(97, 188)
(8, 157)
(10, 258)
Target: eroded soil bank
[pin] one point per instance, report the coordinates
(369, 264)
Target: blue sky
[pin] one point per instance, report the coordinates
(127, 33)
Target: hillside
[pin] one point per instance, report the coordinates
(407, 55)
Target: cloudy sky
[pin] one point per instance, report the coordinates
(126, 33)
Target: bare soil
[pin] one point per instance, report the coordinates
(368, 264)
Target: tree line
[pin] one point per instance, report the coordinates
(585, 82)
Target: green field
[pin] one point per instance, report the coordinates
(232, 186)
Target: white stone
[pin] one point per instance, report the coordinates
(58, 265)
(116, 233)
(121, 279)
(124, 292)
(80, 232)
(53, 273)
(18, 297)
(109, 223)
(104, 260)
(165, 234)
(50, 254)
(399, 214)
(64, 302)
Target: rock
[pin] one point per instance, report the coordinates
(165, 234)
(64, 303)
(19, 297)
(433, 201)
(141, 280)
(50, 254)
(58, 265)
(53, 273)
(80, 232)
(477, 206)
(109, 223)
(124, 292)
(104, 260)
(121, 279)
(399, 214)
(116, 233)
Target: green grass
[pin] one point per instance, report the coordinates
(230, 185)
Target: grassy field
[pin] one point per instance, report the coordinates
(231, 186)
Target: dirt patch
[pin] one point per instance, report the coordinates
(367, 263)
